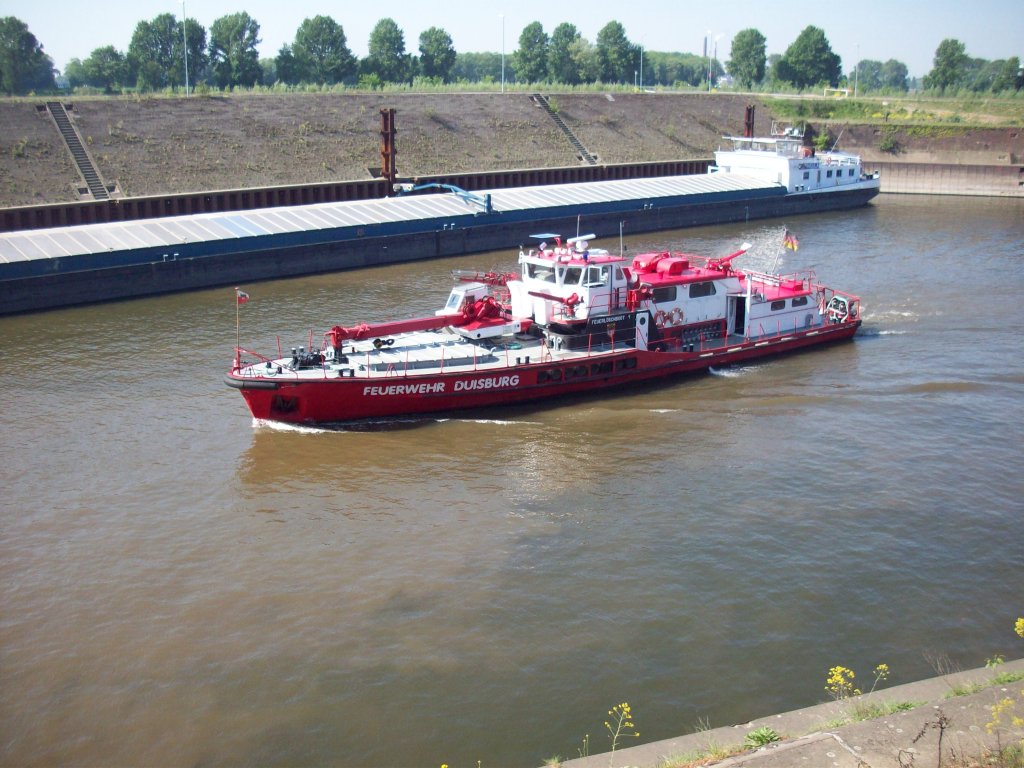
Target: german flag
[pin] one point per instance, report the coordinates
(789, 240)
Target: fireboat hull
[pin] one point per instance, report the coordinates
(348, 399)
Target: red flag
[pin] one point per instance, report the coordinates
(790, 241)
(241, 296)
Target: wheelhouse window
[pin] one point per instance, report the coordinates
(572, 275)
(661, 295)
(799, 301)
(828, 174)
(700, 290)
(777, 305)
(850, 172)
(540, 272)
(595, 277)
(807, 175)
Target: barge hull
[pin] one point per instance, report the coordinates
(28, 284)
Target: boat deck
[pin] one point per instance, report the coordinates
(435, 353)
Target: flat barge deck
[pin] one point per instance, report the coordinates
(48, 268)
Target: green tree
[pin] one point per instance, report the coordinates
(387, 57)
(949, 67)
(1007, 79)
(982, 74)
(74, 73)
(530, 61)
(561, 67)
(867, 75)
(151, 52)
(24, 66)
(286, 67)
(586, 60)
(809, 61)
(894, 75)
(477, 67)
(234, 60)
(268, 70)
(673, 69)
(437, 54)
(106, 68)
(198, 62)
(618, 57)
(321, 51)
(747, 62)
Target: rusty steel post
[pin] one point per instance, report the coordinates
(388, 148)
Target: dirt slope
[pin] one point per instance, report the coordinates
(165, 145)
(159, 145)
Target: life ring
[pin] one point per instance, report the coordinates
(659, 318)
(676, 316)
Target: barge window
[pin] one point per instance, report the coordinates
(777, 305)
(807, 175)
(850, 172)
(603, 367)
(552, 375)
(799, 301)
(699, 290)
(625, 365)
(661, 295)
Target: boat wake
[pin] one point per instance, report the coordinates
(498, 422)
(733, 371)
(377, 425)
(281, 426)
(869, 333)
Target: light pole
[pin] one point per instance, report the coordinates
(712, 56)
(641, 67)
(707, 50)
(856, 73)
(184, 42)
(502, 17)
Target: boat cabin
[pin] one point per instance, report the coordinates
(782, 158)
(566, 284)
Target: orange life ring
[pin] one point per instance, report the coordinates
(659, 318)
(676, 316)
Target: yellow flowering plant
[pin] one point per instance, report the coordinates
(839, 682)
(621, 724)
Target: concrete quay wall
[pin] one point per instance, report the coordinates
(951, 723)
(949, 178)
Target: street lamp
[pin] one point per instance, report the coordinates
(856, 73)
(184, 42)
(707, 51)
(641, 67)
(502, 17)
(712, 56)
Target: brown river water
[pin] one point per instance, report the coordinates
(182, 587)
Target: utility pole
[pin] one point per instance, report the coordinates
(184, 42)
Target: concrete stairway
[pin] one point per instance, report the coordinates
(584, 155)
(86, 167)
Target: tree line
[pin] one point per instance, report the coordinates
(165, 51)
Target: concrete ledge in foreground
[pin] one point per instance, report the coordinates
(901, 739)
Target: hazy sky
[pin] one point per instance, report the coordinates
(863, 29)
